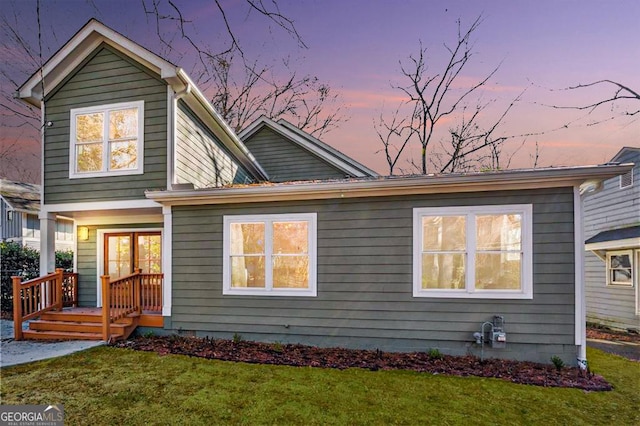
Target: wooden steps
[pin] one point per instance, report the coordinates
(78, 325)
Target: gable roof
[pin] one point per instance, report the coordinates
(20, 196)
(92, 35)
(623, 151)
(304, 140)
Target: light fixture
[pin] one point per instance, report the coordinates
(83, 233)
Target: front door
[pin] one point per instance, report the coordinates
(126, 251)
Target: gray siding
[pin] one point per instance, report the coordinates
(106, 77)
(365, 280)
(200, 158)
(611, 208)
(283, 160)
(10, 228)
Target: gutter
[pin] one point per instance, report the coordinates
(377, 187)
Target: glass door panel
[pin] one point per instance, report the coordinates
(148, 256)
(118, 255)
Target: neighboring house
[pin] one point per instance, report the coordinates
(288, 153)
(19, 222)
(155, 179)
(612, 262)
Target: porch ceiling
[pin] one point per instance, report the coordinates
(138, 215)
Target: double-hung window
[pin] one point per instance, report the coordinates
(473, 252)
(270, 255)
(620, 268)
(107, 140)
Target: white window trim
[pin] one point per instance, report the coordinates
(311, 218)
(617, 284)
(73, 174)
(526, 291)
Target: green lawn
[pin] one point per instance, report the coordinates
(115, 386)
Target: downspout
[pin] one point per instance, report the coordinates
(580, 300)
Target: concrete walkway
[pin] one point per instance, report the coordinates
(13, 352)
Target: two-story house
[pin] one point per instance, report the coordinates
(19, 222)
(324, 253)
(612, 262)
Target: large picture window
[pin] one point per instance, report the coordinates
(107, 140)
(476, 252)
(620, 268)
(272, 255)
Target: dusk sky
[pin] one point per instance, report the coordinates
(355, 46)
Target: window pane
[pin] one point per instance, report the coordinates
(123, 155)
(90, 127)
(620, 261)
(119, 255)
(498, 232)
(443, 233)
(498, 271)
(149, 254)
(291, 271)
(89, 157)
(621, 275)
(443, 271)
(247, 271)
(247, 238)
(123, 124)
(290, 237)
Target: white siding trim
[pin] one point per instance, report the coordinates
(526, 242)
(167, 257)
(580, 299)
(119, 220)
(99, 205)
(171, 132)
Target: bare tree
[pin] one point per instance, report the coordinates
(256, 90)
(432, 97)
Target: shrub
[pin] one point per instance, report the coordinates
(557, 362)
(22, 261)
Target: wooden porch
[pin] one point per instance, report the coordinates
(51, 303)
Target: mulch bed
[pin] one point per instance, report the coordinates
(428, 362)
(612, 335)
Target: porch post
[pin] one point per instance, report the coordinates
(106, 308)
(47, 243)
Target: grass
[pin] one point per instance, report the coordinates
(115, 386)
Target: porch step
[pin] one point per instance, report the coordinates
(79, 327)
(62, 335)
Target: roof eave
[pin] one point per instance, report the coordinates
(520, 180)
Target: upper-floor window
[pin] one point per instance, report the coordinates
(270, 255)
(474, 252)
(31, 228)
(107, 140)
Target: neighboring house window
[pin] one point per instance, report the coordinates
(626, 180)
(473, 252)
(64, 230)
(32, 228)
(619, 268)
(270, 255)
(107, 140)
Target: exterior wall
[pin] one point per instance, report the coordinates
(283, 160)
(200, 157)
(106, 77)
(611, 208)
(87, 261)
(365, 281)
(10, 228)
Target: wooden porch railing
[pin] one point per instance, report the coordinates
(33, 297)
(128, 295)
(70, 289)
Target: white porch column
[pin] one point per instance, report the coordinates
(47, 243)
